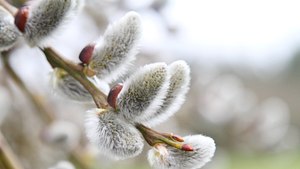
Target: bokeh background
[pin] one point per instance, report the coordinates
(245, 89)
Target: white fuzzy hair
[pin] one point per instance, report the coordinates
(204, 149)
(115, 52)
(46, 16)
(114, 137)
(179, 85)
(143, 92)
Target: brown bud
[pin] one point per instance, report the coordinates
(186, 147)
(86, 53)
(113, 95)
(21, 18)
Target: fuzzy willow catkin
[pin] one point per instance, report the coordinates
(112, 54)
(113, 136)
(179, 85)
(143, 92)
(167, 157)
(45, 17)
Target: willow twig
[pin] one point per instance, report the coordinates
(7, 158)
(56, 61)
(11, 9)
(76, 71)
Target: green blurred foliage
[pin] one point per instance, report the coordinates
(266, 161)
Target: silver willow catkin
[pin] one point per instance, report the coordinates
(179, 73)
(111, 55)
(143, 92)
(113, 136)
(45, 16)
(166, 157)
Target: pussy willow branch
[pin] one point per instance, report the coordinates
(8, 160)
(76, 71)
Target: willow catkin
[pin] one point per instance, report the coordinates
(45, 16)
(179, 73)
(117, 49)
(171, 158)
(113, 136)
(143, 92)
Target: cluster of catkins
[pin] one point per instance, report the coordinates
(148, 97)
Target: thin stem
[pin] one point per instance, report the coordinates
(153, 137)
(11, 9)
(76, 71)
(7, 157)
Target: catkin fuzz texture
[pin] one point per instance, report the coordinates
(113, 136)
(179, 73)
(143, 92)
(45, 17)
(204, 149)
(117, 49)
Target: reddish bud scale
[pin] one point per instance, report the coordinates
(86, 53)
(21, 18)
(113, 95)
(177, 138)
(186, 147)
